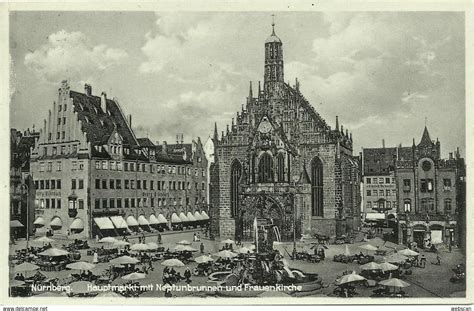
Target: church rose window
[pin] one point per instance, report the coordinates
(235, 173)
(265, 168)
(317, 187)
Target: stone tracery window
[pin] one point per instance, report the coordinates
(265, 168)
(281, 167)
(317, 187)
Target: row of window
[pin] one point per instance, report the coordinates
(143, 184)
(51, 203)
(138, 202)
(427, 205)
(142, 167)
(382, 204)
(56, 184)
(59, 150)
(426, 185)
(381, 192)
(379, 180)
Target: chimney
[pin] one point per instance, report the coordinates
(130, 120)
(87, 89)
(103, 101)
(383, 143)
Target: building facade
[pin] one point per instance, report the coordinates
(281, 164)
(95, 178)
(427, 190)
(22, 190)
(379, 195)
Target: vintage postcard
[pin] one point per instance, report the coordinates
(242, 154)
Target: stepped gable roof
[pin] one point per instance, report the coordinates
(379, 161)
(98, 124)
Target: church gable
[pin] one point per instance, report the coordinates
(268, 135)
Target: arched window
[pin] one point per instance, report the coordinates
(281, 167)
(317, 187)
(235, 173)
(265, 168)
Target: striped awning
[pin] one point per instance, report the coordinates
(56, 222)
(197, 215)
(175, 219)
(142, 221)
(162, 219)
(153, 220)
(39, 221)
(183, 217)
(104, 223)
(204, 215)
(119, 222)
(77, 224)
(131, 221)
(191, 216)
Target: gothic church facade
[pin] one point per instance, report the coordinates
(281, 163)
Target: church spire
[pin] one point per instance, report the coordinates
(425, 139)
(273, 59)
(216, 136)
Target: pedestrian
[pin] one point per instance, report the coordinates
(187, 275)
(201, 247)
(96, 258)
(423, 260)
(159, 238)
(194, 237)
(438, 259)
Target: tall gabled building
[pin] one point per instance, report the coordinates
(279, 162)
(95, 177)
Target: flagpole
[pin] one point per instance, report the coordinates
(256, 233)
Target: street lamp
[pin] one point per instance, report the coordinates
(24, 188)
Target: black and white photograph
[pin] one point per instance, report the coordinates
(249, 155)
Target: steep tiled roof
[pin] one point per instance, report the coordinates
(99, 124)
(425, 139)
(379, 161)
(145, 142)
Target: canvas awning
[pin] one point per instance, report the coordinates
(56, 222)
(375, 216)
(15, 224)
(197, 215)
(142, 221)
(39, 221)
(204, 215)
(153, 220)
(104, 223)
(119, 222)
(131, 221)
(162, 219)
(77, 224)
(183, 217)
(191, 216)
(175, 219)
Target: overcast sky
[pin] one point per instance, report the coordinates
(384, 74)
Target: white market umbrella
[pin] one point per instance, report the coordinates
(203, 259)
(43, 239)
(80, 265)
(173, 262)
(108, 240)
(408, 252)
(371, 266)
(225, 254)
(124, 260)
(54, 252)
(368, 247)
(139, 247)
(394, 282)
(25, 267)
(396, 258)
(349, 278)
(120, 243)
(244, 250)
(134, 276)
(152, 245)
(386, 266)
